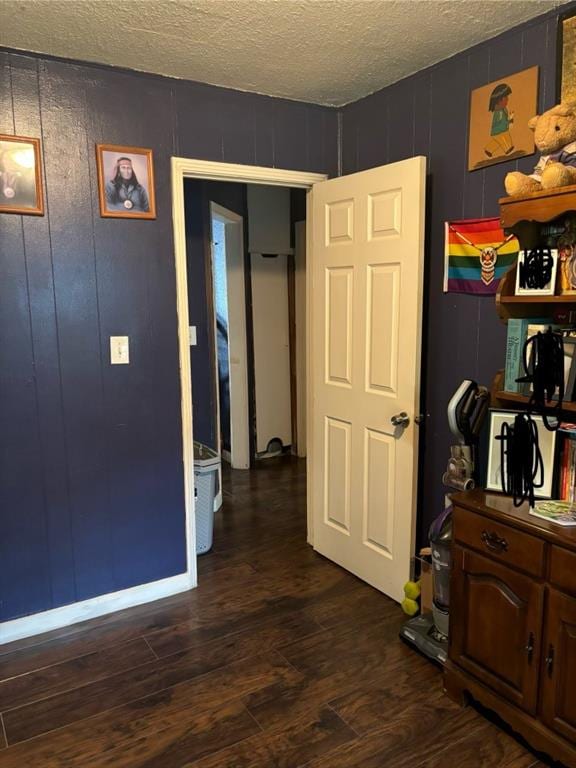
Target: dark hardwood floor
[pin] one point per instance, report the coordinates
(279, 658)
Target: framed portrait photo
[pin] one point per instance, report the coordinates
(546, 441)
(125, 182)
(21, 176)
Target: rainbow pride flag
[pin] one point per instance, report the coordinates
(477, 253)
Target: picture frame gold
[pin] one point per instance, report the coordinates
(566, 61)
(125, 182)
(21, 189)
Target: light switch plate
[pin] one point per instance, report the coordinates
(119, 350)
(193, 337)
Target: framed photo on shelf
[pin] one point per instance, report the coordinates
(547, 443)
(536, 272)
(567, 267)
(21, 176)
(125, 182)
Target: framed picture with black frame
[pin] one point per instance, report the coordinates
(546, 441)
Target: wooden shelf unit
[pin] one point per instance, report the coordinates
(513, 619)
(537, 207)
(515, 400)
(509, 305)
(513, 587)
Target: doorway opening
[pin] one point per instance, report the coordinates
(246, 270)
(363, 355)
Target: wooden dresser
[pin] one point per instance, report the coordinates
(513, 619)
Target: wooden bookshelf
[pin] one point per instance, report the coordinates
(564, 299)
(499, 398)
(513, 399)
(538, 206)
(509, 305)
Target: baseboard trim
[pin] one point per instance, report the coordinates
(38, 623)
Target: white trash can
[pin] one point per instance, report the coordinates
(206, 466)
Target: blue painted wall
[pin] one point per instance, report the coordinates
(427, 114)
(91, 485)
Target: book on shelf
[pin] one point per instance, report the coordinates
(555, 511)
(566, 463)
(521, 329)
(516, 335)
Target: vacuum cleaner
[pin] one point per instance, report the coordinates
(466, 413)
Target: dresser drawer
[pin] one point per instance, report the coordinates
(563, 569)
(502, 543)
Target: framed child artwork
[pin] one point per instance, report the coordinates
(499, 115)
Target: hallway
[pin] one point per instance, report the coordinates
(279, 658)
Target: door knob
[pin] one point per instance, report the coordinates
(400, 419)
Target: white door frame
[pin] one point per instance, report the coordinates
(184, 168)
(237, 342)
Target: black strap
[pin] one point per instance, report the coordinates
(543, 357)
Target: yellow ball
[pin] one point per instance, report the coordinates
(410, 607)
(412, 590)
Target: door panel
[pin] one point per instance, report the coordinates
(383, 329)
(337, 473)
(380, 470)
(339, 292)
(497, 635)
(559, 666)
(366, 309)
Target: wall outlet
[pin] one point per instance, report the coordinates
(119, 350)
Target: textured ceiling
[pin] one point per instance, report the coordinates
(323, 51)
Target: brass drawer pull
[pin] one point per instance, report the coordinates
(493, 542)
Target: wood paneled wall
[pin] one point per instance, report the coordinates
(427, 114)
(91, 485)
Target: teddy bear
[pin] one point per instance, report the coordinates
(555, 137)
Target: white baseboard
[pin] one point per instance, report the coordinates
(56, 618)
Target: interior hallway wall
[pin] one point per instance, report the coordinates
(91, 478)
(197, 198)
(427, 114)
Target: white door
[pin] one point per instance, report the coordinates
(367, 266)
(237, 347)
(235, 297)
